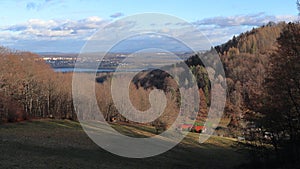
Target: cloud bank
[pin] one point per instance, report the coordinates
(56, 29)
(245, 20)
(25, 36)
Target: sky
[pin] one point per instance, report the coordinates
(66, 25)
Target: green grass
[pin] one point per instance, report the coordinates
(63, 144)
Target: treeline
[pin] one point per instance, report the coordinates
(29, 88)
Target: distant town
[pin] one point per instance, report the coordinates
(111, 60)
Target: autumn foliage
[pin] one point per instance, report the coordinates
(29, 88)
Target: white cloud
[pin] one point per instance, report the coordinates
(220, 29)
(93, 19)
(45, 29)
(244, 20)
(287, 18)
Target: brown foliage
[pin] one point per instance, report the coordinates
(31, 89)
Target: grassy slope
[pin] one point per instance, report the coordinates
(63, 144)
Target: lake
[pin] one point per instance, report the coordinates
(100, 70)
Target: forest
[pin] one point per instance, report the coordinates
(262, 72)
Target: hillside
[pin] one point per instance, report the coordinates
(246, 59)
(262, 70)
(63, 144)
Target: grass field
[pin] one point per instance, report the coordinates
(63, 144)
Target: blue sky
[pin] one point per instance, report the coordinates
(65, 25)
